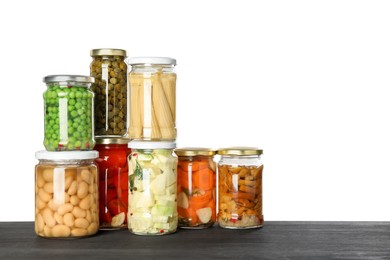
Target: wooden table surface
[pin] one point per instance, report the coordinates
(276, 240)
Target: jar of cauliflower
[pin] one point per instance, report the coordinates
(152, 188)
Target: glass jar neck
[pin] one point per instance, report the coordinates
(153, 68)
(66, 162)
(67, 84)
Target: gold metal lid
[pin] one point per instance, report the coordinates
(111, 139)
(194, 151)
(240, 151)
(108, 52)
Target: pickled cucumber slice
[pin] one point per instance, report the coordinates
(204, 214)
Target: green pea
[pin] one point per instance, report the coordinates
(73, 113)
(77, 144)
(80, 111)
(72, 101)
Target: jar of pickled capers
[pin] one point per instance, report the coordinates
(110, 72)
(68, 113)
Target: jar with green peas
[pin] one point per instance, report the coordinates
(68, 113)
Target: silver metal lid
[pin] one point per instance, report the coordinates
(66, 78)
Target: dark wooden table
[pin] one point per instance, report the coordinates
(276, 240)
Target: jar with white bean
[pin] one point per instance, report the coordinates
(66, 194)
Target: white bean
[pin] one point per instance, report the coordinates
(79, 213)
(86, 202)
(74, 200)
(65, 208)
(40, 181)
(68, 182)
(69, 219)
(43, 195)
(89, 216)
(48, 187)
(78, 232)
(60, 231)
(82, 191)
(86, 175)
(48, 175)
(92, 228)
(40, 223)
(72, 188)
(52, 205)
(47, 231)
(48, 217)
(58, 218)
(39, 203)
(81, 223)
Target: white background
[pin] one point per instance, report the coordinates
(307, 81)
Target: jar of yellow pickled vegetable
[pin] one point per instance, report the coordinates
(152, 83)
(196, 178)
(240, 188)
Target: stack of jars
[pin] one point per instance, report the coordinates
(111, 123)
(66, 197)
(152, 163)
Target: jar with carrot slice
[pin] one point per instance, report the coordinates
(113, 181)
(240, 188)
(196, 185)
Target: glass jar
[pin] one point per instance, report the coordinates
(110, 72)
(113, 181)
(240, 196)
(153, 188)
(66, 197)
(68, 113)
(196, 198)
(152, 98)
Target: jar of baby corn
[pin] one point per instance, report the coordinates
(152, 83)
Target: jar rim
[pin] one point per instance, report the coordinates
(111, 139)
(151, 60)
(151, 145)
(240, 151)
(194, 151)
(65, 78)
(66, 155)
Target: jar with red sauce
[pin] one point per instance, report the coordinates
(113, 181)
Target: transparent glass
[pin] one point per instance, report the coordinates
(113, 185)
(152, 102)
(110, 88)
(196, 185)
(240, 197)
(153, 192)
(66, 198)
(68, 117)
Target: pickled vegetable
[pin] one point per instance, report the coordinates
(110, 88)
(196, 203)
(240, 196)
(68, 118)
(66, 201)
(113, 184)
(153, 106)
(153, 189)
